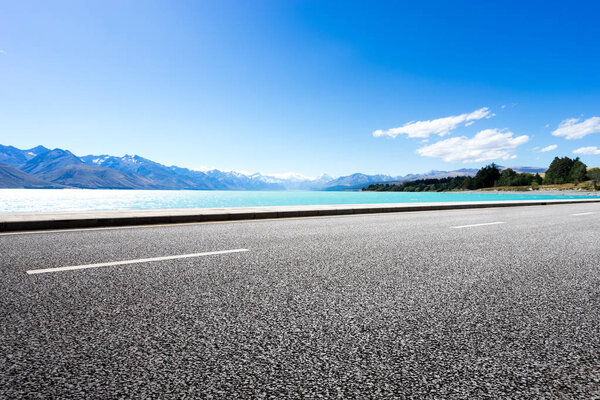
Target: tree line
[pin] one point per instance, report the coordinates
(561, 170)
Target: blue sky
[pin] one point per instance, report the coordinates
(304, 86)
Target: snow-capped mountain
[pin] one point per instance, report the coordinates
(294, 181)
(355, 181)
(173, 177)
(15, 157)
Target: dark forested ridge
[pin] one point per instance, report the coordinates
(421, 185)
(561, 170)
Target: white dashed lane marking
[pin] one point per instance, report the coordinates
(127, 262)
(474, 225)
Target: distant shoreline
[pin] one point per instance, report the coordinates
(552, 192)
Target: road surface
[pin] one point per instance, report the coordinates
(485, 303)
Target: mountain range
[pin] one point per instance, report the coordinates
(41, 167)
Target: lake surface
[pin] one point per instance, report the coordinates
(41, 200)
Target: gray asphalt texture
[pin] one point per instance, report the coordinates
(369, 306)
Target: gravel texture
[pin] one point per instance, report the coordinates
(369, 306)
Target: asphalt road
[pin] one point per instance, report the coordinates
(368, 306)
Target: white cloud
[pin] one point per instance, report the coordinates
(440, 126)
(549, 148)
(573, 129)
(489, 144)
(590, 150)
(503, 106)
(3, 52)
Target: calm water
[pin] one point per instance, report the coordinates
(38, 200)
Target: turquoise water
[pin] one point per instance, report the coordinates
(42, 200)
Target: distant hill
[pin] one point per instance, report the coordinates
(531, 170)
(355, 181)
(294, 181)
(162, 176)
(63, 168)
(11, 177)
(15, 157)
(93, 177)
(433, 174)
(234, 180)
(49, 162)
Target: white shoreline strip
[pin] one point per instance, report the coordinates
(127, 262)
(585, 213)
(470, 226)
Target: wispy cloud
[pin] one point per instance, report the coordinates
(440, 126)
(590, 150)
(574, 128)
(3, 52)
(489, 144)
(549, 148)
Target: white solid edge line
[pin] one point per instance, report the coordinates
(126, 262)
(469, 226)
(584, 213)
